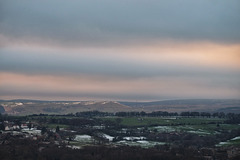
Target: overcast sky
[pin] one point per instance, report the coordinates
(129, 50)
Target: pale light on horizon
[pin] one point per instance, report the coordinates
(87, 50)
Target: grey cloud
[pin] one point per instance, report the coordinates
(107, 22)
(65, 64)
(91, 96)
(134, 95)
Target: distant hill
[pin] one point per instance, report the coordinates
(184, 102)
(25, 107)
(200, 105)
(30, 100)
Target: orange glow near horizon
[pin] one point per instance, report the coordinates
(40, 84)
(200, 56)
(195, 53)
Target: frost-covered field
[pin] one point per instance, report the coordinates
(83, 140)
(142, 143)
(189, 129)
(32, 131)
(232, 141)
(205, 129)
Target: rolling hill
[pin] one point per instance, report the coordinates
(26, 107)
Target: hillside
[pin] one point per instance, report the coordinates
(200, 105)
(25, 107)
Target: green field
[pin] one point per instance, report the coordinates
(200, 126)
(146, 121)
(197, 125)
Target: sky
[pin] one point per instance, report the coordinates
(128, 50)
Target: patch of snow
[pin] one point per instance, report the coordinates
(32, 131)
(99, 127)
(165, 128)
(134, 138)
(110, 138)
(228, 142)
(89, 103)
(168, 117)
(236, 138)
(222, 143)
(198, 132)
(143, 142)
(83, 138)
(74, 147)
(105, 102)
